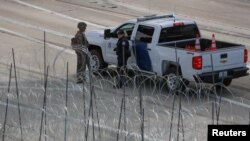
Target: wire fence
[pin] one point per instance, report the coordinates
(47, 104)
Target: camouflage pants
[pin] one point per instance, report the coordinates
(82, 61)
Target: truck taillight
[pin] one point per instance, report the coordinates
(197, 62)
(245, 55)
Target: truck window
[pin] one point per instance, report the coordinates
(144, 34)
(128, 28)
(170, 34)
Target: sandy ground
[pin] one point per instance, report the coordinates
(22, 26)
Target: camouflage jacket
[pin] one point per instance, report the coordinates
(80, 40)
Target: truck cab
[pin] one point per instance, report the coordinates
(144, 34)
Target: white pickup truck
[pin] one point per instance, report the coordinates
(158, 45)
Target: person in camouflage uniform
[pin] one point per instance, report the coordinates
(80, 41)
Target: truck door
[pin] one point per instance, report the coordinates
(110, 43)
(143, 48)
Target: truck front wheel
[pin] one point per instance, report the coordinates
(227, 82)
(97, 62)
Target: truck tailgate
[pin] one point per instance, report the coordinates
(223, 59)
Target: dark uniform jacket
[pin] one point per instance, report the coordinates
(122, 49)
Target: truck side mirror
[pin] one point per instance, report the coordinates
(107, 33)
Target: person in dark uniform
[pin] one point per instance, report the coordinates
(123, 53)
(80, 43)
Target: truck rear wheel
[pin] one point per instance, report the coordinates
(97, 62)
(173, 81)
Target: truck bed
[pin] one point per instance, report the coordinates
(204, 43)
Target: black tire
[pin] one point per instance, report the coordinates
(227, 82)
(172, 71)
(97, 62)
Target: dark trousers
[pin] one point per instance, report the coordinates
(121, 69)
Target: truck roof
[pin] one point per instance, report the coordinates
(168, 22)
(162, 20)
